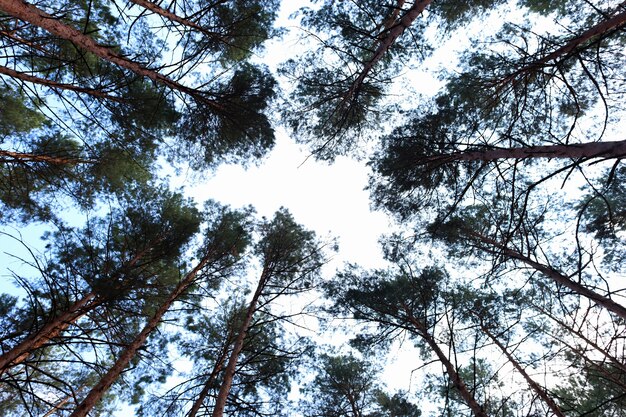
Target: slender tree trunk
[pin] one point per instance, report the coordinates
(35, 16)
(55, 85)
(229, 372)
(588, 150)
(392, 31)
(98, 391)
(618, 364)
(600, 29)
(155, 8)
(51, 330)
(60, 323)
(454, 376)
(355, 408)
(219, 364)
(13, 157)
(11, 35)
(535, 387)
(551, 273)
(62, 402)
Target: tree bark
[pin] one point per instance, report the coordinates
(393, 32)
(535, 387)
(618, 364)
(601, 28)
(551, 273)
(50, 331)
(60, 323)
(155, 8)
(454, 376)
(587, 150)
(229, 372)
(219, 364)
(55, 85)
(98, 391)
(21, 157)
(35, 16)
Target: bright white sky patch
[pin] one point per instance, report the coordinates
(329, 199)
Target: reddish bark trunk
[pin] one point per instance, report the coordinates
(9, 156)
(588, 150)
(219, 364)
(50, 331)
(601, 28)
(98, 391)
(61, 86)
(229, 373)
(35, 16)
(153, 7)
(393, 30)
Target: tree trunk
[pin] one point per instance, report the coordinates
(51, 330)
(21, 157)
(551, 273)
(35, 16)
(393, 31)
(219, 364)
(601, 28)
(535, 387)
(98, 391)
(588, 150)
(55, 85)
(229, 373)
(155, 8)
(450, 369)
(618, 364)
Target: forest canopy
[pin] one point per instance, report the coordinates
(492, 135)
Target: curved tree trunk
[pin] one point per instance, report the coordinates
(535, 387)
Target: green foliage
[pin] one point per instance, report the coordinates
(336, 102)
(291, 255)
(389, 298)
(16, 116)
(240, 26)
(232, 126)
(30, 181)
(604, 210)
(597, 390)
(344, 386)
(137, 247)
